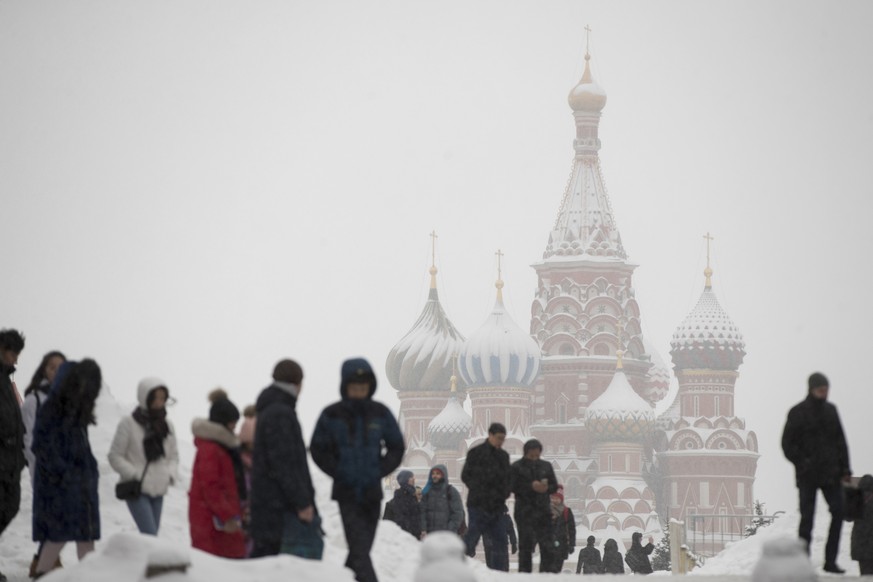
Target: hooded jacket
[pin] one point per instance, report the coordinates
(281, 481)
(405, 508)
(814, 442)
(441, 506)
(214, 491)
(127, 454)
(349, 437)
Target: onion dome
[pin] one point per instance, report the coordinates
(619, 414)
(708, 338)
(421, 360)
(658, 377)
(500, 352)
(587, 95)
(452, 425)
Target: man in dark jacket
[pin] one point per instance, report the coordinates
(347, 445)
(814, 442)
(533, 481)
(404, 508)
(589, 559)
(486, 475)
(11, 429)
(281, 484)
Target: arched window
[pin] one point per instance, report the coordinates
(566, 350)
(601, 350)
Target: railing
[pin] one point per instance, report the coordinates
(707, 534)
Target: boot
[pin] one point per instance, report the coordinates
(32, 572)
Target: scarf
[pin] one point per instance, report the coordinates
(156, 430)
(557, 510)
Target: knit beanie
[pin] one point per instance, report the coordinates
(222, 411)
(532, 444)
(403, 477)
(817, 379)
(288, 371)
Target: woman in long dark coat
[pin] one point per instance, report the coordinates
(65, 501)
(612, 562)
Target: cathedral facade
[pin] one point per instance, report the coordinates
(582, 379)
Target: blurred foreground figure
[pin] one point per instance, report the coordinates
(11, 429)
(814, 442)
(347, 444)
(783, 560)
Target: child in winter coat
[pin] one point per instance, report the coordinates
(563, 532)
(612, 563)
(144, 449)
(637, 557)
(66, 506)
(217, 482)
(441, 505)
(862, 530)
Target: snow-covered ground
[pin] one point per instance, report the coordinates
(395, 553)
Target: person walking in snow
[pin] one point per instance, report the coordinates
(637, 557)
(533, 481)
(35, 396)
(589, 559)
(404, 507)
(12, 458)
(612, 562)
(66, 506)
(563, 532)
(862, 529)
(282, 491)
(814, 442)
(144, 449)
(348, 445)
(510, 539)
(217, 482)
(441, 506)
(487, 477)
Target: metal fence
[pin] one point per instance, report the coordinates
(707, 534)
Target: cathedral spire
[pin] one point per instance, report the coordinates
(433, 269)
(499, 283)
(707, 272)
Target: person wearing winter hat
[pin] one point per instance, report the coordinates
(533, 481)
(589, 559)
(348, 443)
(144, 449)
(637, 557)
(217, 482)
(405, 510)
(282, 495)
(563, 533)
(441, 505)
(814, 442)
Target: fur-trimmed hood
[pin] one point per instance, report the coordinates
(212, 431)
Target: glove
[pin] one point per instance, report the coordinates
(514, 549)
(571, 551)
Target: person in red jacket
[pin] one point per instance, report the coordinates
(217, 482)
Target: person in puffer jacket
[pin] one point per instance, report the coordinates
(145, 437)
(441, 505)
(217, 482)
(347, 444)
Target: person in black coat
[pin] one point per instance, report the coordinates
(814, 442)
(862, 529)
(405, 510)
(66, 505)
(11, 429)
(533, 481)
(486, 475)
(637, 557)
(612, 563)
(589, 559)
(281, 488)
(348, 443)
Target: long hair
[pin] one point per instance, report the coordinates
(76, 395)
(39, 375)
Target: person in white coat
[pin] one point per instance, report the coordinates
(147, 437)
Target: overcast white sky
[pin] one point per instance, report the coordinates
(196, 189)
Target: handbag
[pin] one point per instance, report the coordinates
(130, 490)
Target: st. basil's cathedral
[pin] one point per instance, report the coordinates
(583, 380)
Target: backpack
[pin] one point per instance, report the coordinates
(389, 511)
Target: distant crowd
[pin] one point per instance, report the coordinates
(251, 493)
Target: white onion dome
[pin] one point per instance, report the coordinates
(587, 95)
(450, 427)
(707, 338)
(422, 359)
(619, 414)
(500, 353)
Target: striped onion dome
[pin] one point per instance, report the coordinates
(499, 353)
(422, 359)
(619, 414)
